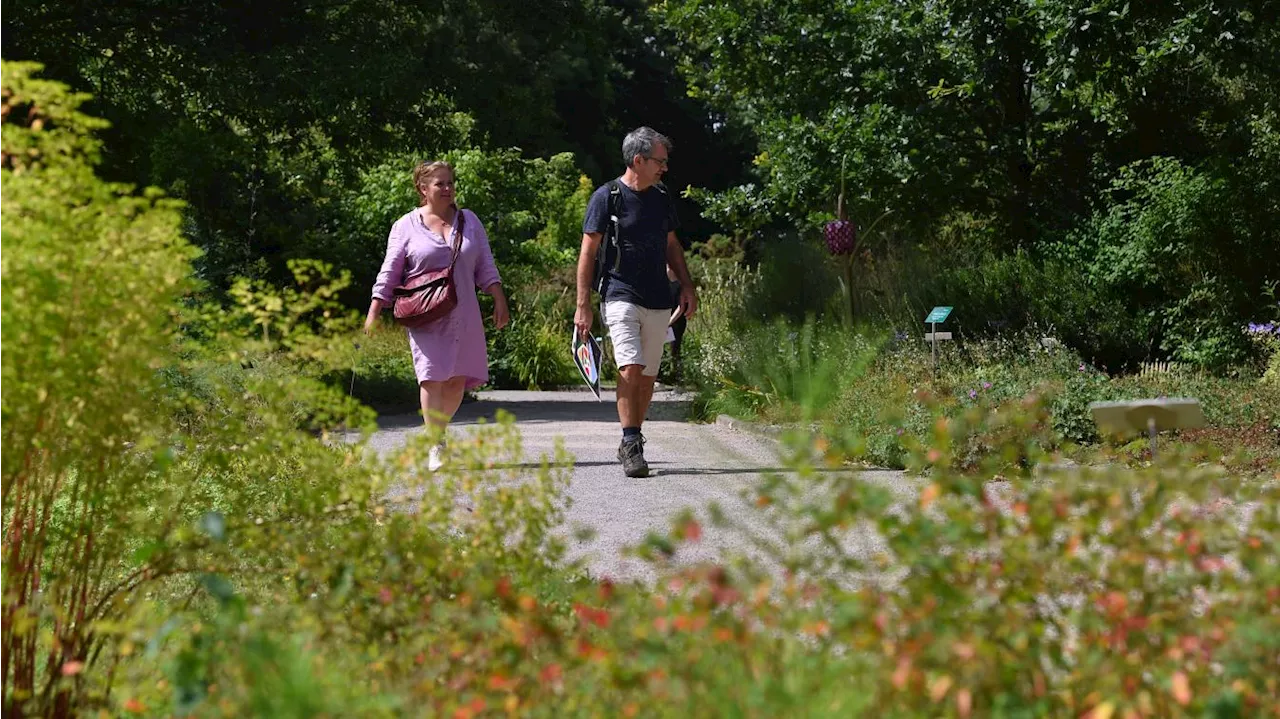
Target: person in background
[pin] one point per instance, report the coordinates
(678, 326)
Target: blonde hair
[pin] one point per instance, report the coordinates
(424, 172)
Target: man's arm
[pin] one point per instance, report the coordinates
(675, 259)
(583, 317)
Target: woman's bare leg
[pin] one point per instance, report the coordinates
(453, 390)
(440, 400)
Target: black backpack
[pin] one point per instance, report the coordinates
(609, 256)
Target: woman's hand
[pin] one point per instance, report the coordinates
(501, 312)
(371, 319)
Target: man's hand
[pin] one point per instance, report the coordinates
(583, 319)
(688, 301)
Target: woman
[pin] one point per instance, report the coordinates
(449, 355)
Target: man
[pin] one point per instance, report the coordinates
(635, 294)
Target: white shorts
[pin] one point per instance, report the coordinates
(638, 334)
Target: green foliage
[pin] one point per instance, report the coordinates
(1266, 339)
(1168, 232)
(827, 372)
(796, 279)
(533, 352)
(884, 405)
(533, 208)
(267, 122)
(997, 294)
(1042, 591)
(189, 530)
(157, 486)
(790, 371)
(381, 372)
(85, 323)
(1109, 134)
(710, 349)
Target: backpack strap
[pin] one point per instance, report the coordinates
(615, 228)
(609, 243)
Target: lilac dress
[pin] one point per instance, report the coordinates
(454, 345)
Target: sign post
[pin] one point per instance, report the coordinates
(937, 315)
(1147, 415)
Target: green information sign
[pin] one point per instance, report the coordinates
(939, 314)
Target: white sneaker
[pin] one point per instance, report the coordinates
(435, 460)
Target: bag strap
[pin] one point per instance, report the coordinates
(458, 226)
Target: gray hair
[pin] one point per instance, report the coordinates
(641, 141)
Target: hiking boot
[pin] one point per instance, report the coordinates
(631, 454)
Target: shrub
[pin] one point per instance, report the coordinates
(533, 352)
(710, 349)
(1266, 338)
(85, 323)
(795, 279)
(1172, 241)
(995, 294)
(882, 406)
(789, 372)
(1041, 592)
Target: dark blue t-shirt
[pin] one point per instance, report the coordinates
(644, 219)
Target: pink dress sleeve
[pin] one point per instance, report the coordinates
(389, 277)
(486, 269)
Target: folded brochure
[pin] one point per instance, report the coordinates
(587, 358)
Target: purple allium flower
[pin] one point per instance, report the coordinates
(986, 385)
(840, 236)
(1080, 368)
(973, 394)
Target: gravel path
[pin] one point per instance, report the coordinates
(693, 465)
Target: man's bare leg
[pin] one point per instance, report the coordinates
(635, 392)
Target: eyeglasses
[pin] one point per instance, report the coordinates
(660, 160)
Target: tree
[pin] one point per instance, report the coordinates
(985, 128)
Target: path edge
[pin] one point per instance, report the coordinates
(770, 431)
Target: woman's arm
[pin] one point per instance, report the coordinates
(388, 277)
(487, 276)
